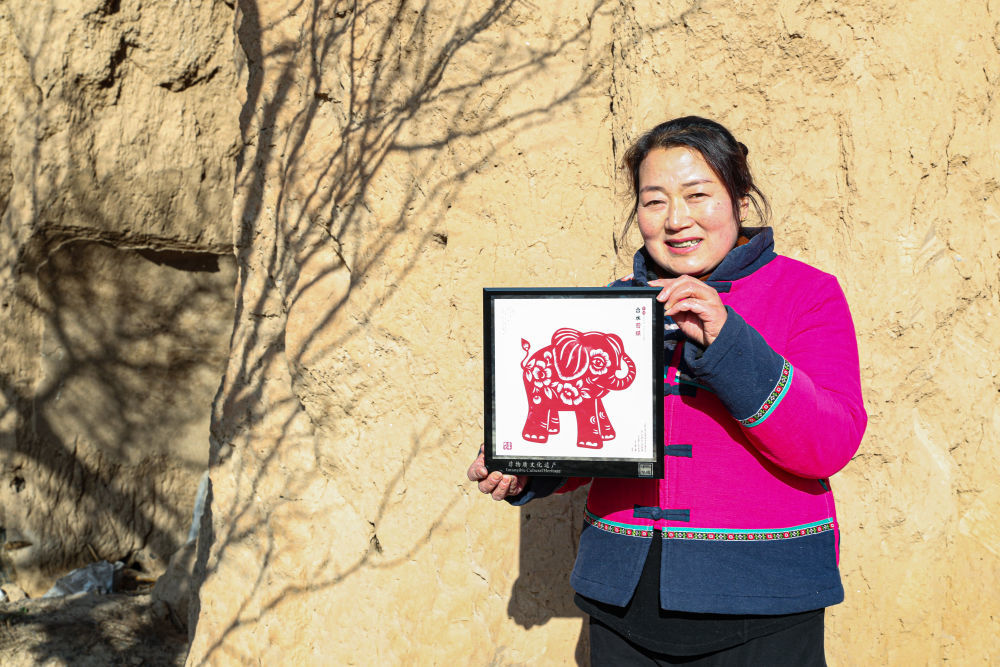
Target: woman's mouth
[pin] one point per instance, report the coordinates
(689, 243)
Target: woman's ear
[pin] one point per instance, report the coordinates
(744, 209)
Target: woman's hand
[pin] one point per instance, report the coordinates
(495, 483)
(694, 306)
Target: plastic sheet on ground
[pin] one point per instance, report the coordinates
(97, 577)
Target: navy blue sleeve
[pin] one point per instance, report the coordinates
(739, 366)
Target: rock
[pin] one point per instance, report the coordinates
(174, 588)
(13, 593)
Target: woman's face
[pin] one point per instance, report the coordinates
(685, 215)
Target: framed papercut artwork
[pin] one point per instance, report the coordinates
(574, 381)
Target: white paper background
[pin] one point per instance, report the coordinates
(535, 320)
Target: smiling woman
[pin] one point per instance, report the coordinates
(685, 213)
(731, 558)
(725, 158)
(693, 189)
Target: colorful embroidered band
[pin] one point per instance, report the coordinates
(617, 528)
(778, 393)
(753, 535)
(721, 535)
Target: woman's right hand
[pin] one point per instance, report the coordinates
(495, 483)
(695, 307)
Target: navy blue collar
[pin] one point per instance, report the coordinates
(739, 263)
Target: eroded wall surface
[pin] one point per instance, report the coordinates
(392, 158)
(117, 149)
(876, 131)
(400, 156)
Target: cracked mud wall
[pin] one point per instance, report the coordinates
(389, 160)
(392, 150)
(117, 148)
(398, 156)
(877, 133)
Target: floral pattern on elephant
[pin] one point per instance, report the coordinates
(574, 373)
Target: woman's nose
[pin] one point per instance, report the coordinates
(678, 217)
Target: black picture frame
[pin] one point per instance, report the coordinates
(552, 354)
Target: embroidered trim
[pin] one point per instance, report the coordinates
(732, 535)
(754, 535)
(775, 397)
(617, 528)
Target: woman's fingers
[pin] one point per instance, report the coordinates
(477, 470)
(510, 485)
(496, 483)
(691, 304)
(500, 486)
(677, 290)
(699, 306)
(489, 483)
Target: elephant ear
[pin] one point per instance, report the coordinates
(570, 356)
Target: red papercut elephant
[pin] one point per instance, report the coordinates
(574, 373)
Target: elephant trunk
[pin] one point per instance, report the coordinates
(616, 383)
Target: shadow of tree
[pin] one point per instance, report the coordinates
(115, 318)
(336, 92)
(109, 430)
(89, 630)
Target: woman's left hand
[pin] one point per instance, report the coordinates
(495, 483)
(694, 306)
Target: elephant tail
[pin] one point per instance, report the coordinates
(526, 346)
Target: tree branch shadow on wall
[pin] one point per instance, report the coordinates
(110, 323)
(116, 343)
(373, 116)
(89, 456)
(108, 335)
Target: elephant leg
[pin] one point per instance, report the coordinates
(553, 421)
(604, 427)
(587, 431)
(536, 425)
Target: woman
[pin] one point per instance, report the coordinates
(732, 557)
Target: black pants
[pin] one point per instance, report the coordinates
(798, 646)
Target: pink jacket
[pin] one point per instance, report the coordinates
(754, 426)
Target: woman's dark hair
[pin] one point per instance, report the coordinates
(726, 156)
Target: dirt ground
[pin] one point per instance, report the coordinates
(90, 629)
